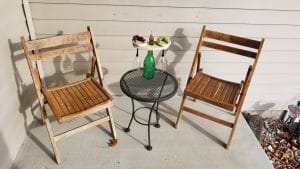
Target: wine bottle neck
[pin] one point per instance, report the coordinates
(150, 52)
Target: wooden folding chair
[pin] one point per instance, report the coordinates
(73, 100)
(222, 93)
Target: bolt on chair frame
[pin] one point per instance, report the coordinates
(73, 100)
(222, 93)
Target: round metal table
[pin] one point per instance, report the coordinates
(162, 87)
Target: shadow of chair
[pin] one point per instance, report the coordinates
(24, 91)
(222, 93)
(74, 100)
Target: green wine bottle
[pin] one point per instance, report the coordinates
(149, 65)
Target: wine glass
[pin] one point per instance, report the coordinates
(162, 63)
(136, 63)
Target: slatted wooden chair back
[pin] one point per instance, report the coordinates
(229, 43)
(60, 46)
(223, 93)
(73, 100)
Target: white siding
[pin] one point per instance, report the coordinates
(114, 22)
(17, 103)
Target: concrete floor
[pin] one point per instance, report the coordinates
(197, 143)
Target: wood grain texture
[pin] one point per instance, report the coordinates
(86, 92)
(213, 90)
(73, 100)
(62, 51)
(232, 39)
(209, 117)
(229, 49)
(57, 41)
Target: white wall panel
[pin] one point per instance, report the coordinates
(114, 22)
(17, 103)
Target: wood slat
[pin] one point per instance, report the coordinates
(233, 94)
(71, 100)
(89, 93)
(68, 85)
(94, 90)
(234, 97)
(81, 128)
(219, 90)
(224, 92)
(61, 104)
(228, 93)
(61, 51)
(209, 117)
(53, 103)
(225, 48)
(75, 98)
(66, 101)
(85, 96)
(232, 39)
(215, 89)
(239, 91)
(222, 95)
(58, 40)
(86, 112)
(195, 81)
(104, 93)
(80, 97)
(212, 88)
(206, 87)
(201, 85)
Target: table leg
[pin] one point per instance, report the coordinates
(149, 147)
(157, 125)
(132, 116)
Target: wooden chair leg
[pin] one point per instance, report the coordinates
(230, 136)
(111, 123)
(233, 129)
(180, 111)
(51, 136)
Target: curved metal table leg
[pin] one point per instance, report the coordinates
(149, 147)
(157, 125)
(132, 116)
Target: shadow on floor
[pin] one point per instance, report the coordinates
(5, 157)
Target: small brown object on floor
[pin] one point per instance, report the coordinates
(113, 142)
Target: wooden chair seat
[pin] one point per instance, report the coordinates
(77, 99)
(213, 90)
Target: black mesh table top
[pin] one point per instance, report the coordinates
(162, 87)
